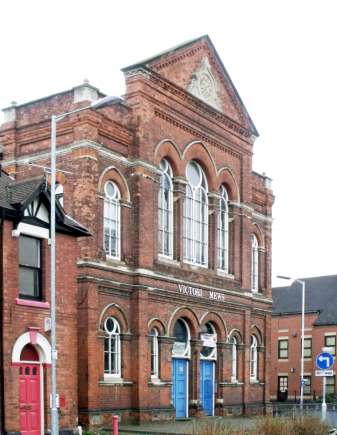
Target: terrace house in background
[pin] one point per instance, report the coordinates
(320, 331)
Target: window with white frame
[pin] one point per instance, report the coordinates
(30, 270)
(254, 264)
(223, 231)
(208, 337)
(196, 216)
(112, 220)
(234, 349)
(154, 353)
(165, 211)
(112, 349)
(330, 341)
(181, 346)
(253, 358)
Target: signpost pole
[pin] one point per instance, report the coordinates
(323, 400)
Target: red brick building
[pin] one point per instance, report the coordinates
(25, 307)
(320, 331)
(174, 289)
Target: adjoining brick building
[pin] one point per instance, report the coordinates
(174, 288)
(320, 331)
(25, 309)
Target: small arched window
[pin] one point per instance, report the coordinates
(165, 211)
(59, 193)
(112, 220)
(223, 232)
(253, 358)
(196, 216)
(154, 353)
(254, 264)
(209, 339)
(181, 346)
(112, 348)
(234, 349)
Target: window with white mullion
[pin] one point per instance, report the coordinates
(253, 358)
(196, 217)
(234, 358)
(165, 210)
(254, 264)
(223, 232)
(112, 348)
(154, 353)
(112, 220)
(188, 225)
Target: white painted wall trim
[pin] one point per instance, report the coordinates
(42, 346)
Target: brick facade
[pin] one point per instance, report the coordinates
(320, 328)
(124, 142)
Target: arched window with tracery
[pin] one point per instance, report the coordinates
(196, 216)
(253, 358)
(254, 263)
(223, 231)
(165, 211)
(112, 220)
(154, 353)
(112, 348)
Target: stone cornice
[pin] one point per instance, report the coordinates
(148, 273)
(203, 108)
(102, 150)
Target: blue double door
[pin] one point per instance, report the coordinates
(180, 386)
(207, 369)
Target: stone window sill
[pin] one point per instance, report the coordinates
(32, 303)
(114, 381)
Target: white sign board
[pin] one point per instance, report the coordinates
(324, 373)
(208, 340)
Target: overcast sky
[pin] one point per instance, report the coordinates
(281, 56)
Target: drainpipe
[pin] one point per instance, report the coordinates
(2, 377)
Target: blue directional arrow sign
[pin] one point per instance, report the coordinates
(324, 360)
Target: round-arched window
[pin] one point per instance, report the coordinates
(181, 334)
(209, 339)
(165, 210)
(196, 216)
(112, 220)
(223, 233)
(112, 348)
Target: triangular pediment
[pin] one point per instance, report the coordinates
(196, 67)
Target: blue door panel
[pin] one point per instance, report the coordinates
(179, 390)
(207, 386)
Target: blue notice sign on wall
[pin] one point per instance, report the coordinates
(324, 360)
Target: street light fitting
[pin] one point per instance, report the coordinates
(283, 277)
(110, 99)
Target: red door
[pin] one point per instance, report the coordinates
(30, 413)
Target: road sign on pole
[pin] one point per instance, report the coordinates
(324, 361)
(323, 372)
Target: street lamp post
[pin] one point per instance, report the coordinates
(54, 119)
(302, 333)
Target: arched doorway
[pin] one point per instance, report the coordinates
(181, 354)
(31, 350)
(208, 356)
(29, 391)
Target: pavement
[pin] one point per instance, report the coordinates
(181, 427)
